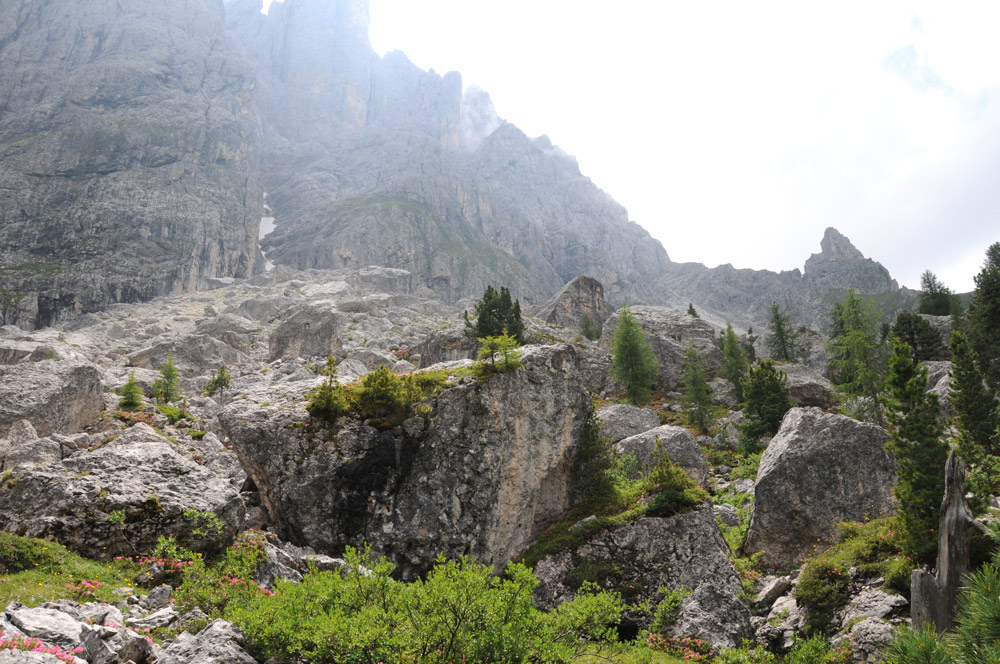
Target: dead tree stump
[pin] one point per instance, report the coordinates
(933, 596)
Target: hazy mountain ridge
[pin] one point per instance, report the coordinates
(366, 161)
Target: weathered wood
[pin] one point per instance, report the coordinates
(933, 596)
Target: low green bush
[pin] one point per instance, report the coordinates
(747, 653)
(172, 413)
(460, 612)
(873, 548)
(496, 355)
(33, 571)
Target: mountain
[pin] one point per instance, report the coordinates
(128, 154)
(374, 161)
(137, 144)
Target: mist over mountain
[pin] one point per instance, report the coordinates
(138, 159)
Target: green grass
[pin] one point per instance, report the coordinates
(665, 491)
(873, 548)
(37, 571)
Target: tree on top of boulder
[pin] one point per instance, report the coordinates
(496, 315)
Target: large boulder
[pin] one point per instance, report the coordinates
(487, 472)
(313, 331)
(581, 297)
(56, 396)
(621, 420)
(670, 333)
(197, 352)
(139, 476)
(219, 643)
(714, 615)
(446, 345)
(683, 551)
(820, 469)
(676, 442)
(807, 387)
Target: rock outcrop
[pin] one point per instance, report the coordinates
(128, 155)
(581, 297)
(670, 333)
(140, 476)
(53, 395)
(818, 470)
(621, 420)
(684, 551)
(485, 474)
(676, 442)
(807, 387)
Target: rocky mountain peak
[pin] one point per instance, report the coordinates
(840, 265)
(836, 246)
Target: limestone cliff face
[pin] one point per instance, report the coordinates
(375, 161)
(128, 163)
(484, 476)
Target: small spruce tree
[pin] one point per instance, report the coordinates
(219, 380)
(691, 311)
(167, 387)
(131, 394)
(765, 402)
(329, 400)
(782, 338)
(734, 362)
(920, 453)
(633, 363)
(936, 299)
(975, 408)
(697, 395)
(497, 355)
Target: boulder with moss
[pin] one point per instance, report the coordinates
(121, 497)
(482, 472)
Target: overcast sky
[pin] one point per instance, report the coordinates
(736, 132)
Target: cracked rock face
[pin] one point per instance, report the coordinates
(140, 475)
(487, 473)
(681, 551)
(819, 470)
(127, 155)
(52, 396)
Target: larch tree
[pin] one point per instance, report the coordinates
(633, 363)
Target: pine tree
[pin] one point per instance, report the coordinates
(496, 315)
(692, 312)
(915, 442)
(633, 363)
(858, 358)
(765, 402)
(167, 387)
(131, 394)
(936, 299)
(984, 317)
(697, 395)
(782, 338)
(923, 338)
(734, 362)
(975, 408)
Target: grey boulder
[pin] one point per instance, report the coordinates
(819, 470)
